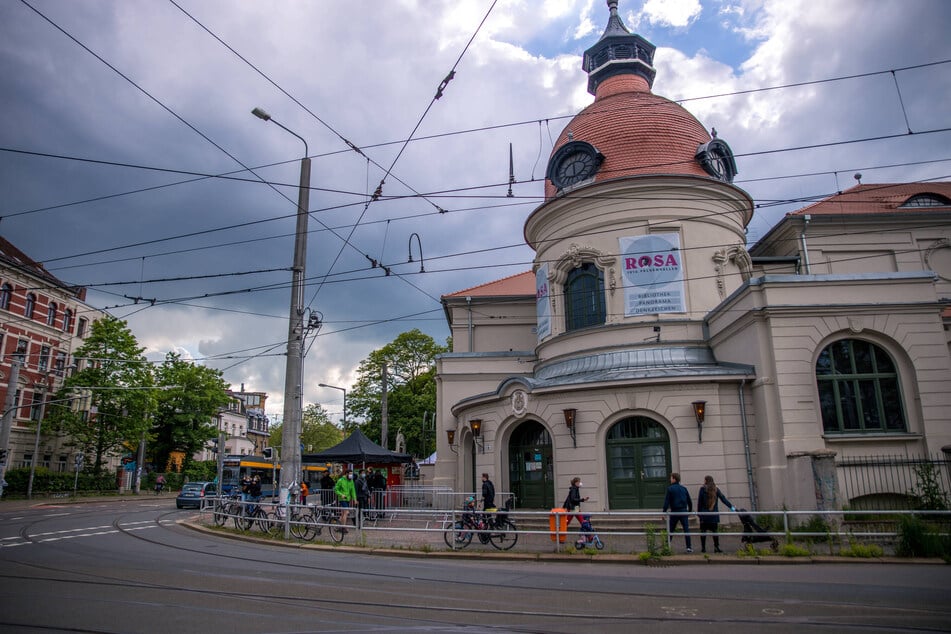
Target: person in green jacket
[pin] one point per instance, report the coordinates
(346, 495)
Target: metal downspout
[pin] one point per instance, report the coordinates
(746, 447)
(802, 242)
(469, 306)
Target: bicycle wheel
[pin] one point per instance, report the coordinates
(244, 520)
(305, 527)
(262, 521)
(504, 535)
(458, 536)
(274, 525)
(336, 530)
(221, 513)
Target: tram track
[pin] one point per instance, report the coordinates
(415, 599)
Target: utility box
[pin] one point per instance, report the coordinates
(558, 525)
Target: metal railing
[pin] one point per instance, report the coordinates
(893, 482)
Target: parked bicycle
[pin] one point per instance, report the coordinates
(491, 527)
(227, 507)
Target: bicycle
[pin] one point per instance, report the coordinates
(492, 527)
(227, 507)
(252, 514)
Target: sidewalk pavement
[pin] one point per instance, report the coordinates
(405, 539)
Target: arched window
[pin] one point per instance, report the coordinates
(67, 320)
(30, 305)
(51, 314)
(584, 297)
(858, 389)
(6, 292)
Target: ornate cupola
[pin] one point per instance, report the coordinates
(618, 52)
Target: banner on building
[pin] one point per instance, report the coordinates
(653, 274)
(542, 303)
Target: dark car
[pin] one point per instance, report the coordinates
(193, 493)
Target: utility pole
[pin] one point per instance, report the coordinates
(36, 444)
(9, 409)
(384, 418)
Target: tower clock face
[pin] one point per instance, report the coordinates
(716, 158)
(574, 162)
(575, 167)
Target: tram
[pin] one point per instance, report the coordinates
(235, 468)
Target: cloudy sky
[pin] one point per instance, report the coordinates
(130, 162)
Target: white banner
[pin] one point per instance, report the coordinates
(542, 305)
(653, 274)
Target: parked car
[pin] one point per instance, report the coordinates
(193, 493)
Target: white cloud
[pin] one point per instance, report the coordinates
(675, 13)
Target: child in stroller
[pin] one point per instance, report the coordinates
(753, 533)
(588, 535)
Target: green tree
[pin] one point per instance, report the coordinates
(411, 391)
(317, 430)
(112, 390)
(186, 403)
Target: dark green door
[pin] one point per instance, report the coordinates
(530, 466)
(638, 462)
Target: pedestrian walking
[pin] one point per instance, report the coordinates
(679, 503)
(488, 493)
(708, 507)
(363, 494)
(573, 501)
(326, 488)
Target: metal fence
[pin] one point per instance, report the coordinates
(894, 482)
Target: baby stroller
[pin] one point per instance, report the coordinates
(587, 535)
(753, 533)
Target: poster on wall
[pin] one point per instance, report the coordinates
(653, 274)
(542, 305)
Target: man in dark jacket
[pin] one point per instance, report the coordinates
(488, 492)
(679, 503)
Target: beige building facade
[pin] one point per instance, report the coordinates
(649, 339)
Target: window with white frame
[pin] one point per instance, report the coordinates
(51, 314)
(6, 292)
(30, 305)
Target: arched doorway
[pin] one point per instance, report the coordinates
(530, 466)
(638, 463)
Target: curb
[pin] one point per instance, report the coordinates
(673, 560)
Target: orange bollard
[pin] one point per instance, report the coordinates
(558, 525)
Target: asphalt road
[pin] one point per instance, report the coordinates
(127, 566)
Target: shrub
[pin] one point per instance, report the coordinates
(46, 482)
(862, 550)
(918, 538)
(792, 550)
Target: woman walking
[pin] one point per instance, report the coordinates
(708, 508)
(574, 499)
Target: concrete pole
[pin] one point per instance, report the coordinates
(8, 413)
(36, 447)
(384, 418)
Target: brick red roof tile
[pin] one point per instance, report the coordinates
(637, 131)
(877, 199)
(515, 285)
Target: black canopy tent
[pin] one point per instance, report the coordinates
(357, 449)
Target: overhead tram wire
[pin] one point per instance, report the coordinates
(352, 146)
(467, 131)
(422, 138)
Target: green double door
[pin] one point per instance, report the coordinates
(530, 467)
(638, 464)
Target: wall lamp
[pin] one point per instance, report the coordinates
(476, 426)
(451, 437)
(700, 411)
(570, 423)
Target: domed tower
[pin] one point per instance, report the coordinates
(642, 232)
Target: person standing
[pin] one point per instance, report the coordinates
(708, 508)
(346, 495)
(378, 490)
(326, 488)
(679, 503)
(574, 500)
(488, 493)
(363, 495)
(304, 492)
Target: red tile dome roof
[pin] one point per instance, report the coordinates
(637, 131)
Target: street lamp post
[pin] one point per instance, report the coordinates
(293, 386)
(344, 390)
